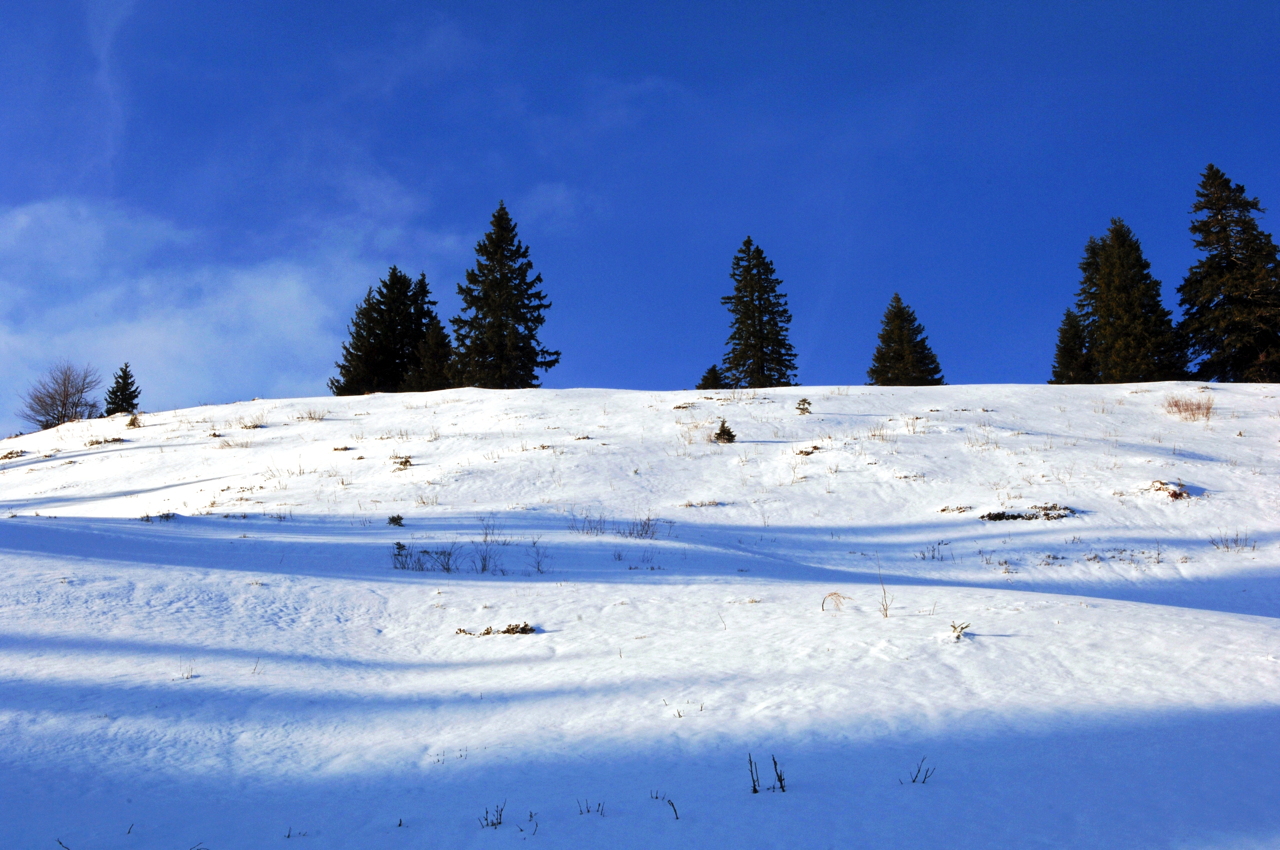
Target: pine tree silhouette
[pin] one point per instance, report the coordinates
(1129, 335)
(123, 395)
(903, 357)
(760, 353)
(1072, 362)
(496, 337)
(390, 340)
(1231, 297)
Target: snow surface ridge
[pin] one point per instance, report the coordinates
(240, 622)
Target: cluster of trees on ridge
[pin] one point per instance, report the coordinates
(1118, 332)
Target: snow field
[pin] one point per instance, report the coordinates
(253, 667)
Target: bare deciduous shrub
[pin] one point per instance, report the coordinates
(587, 524)
(134, 422)
(313, 415)
(1189, 409)
(957, 630)
(61, 395)
(493, 820)
(1237, 542)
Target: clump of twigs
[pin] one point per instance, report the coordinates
(492, 821)
(957, 631)
(921, 774)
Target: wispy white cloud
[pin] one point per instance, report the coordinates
(557, 207)
(103, 20)
(100, 284)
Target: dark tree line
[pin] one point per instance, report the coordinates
(1121, 332)
(397, 342)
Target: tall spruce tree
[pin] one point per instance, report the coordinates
(1231, 298)
(391, 347)
(123, 395)
(760, 353)
(496, 337)
(903, 357)
(1072, 360)
(712, 380)
(1129, 335)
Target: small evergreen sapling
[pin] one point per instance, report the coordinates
(122, 397)
(724, 434)
(802, 407)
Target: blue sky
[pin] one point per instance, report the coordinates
(206, 189)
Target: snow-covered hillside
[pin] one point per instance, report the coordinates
(206, 638)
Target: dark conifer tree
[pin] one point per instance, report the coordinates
(903, 357)
(388, 339)
(123, 395)
(712, 379)
(433, 367)
(1231, 298)
(760, 353)
(1072, 362)
(496, 337)
(1129, 335)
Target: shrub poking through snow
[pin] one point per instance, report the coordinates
(1173, 491)
(724, 434)
(802, 407)
(396, 520)
(1049, 512)
(957, 630)
(134, 422)
(511, 629)
(12, 454)
(1188, 408)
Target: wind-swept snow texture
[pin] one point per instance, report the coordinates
(206, 641)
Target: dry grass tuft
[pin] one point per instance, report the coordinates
(1188, 408)
(836, 599)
